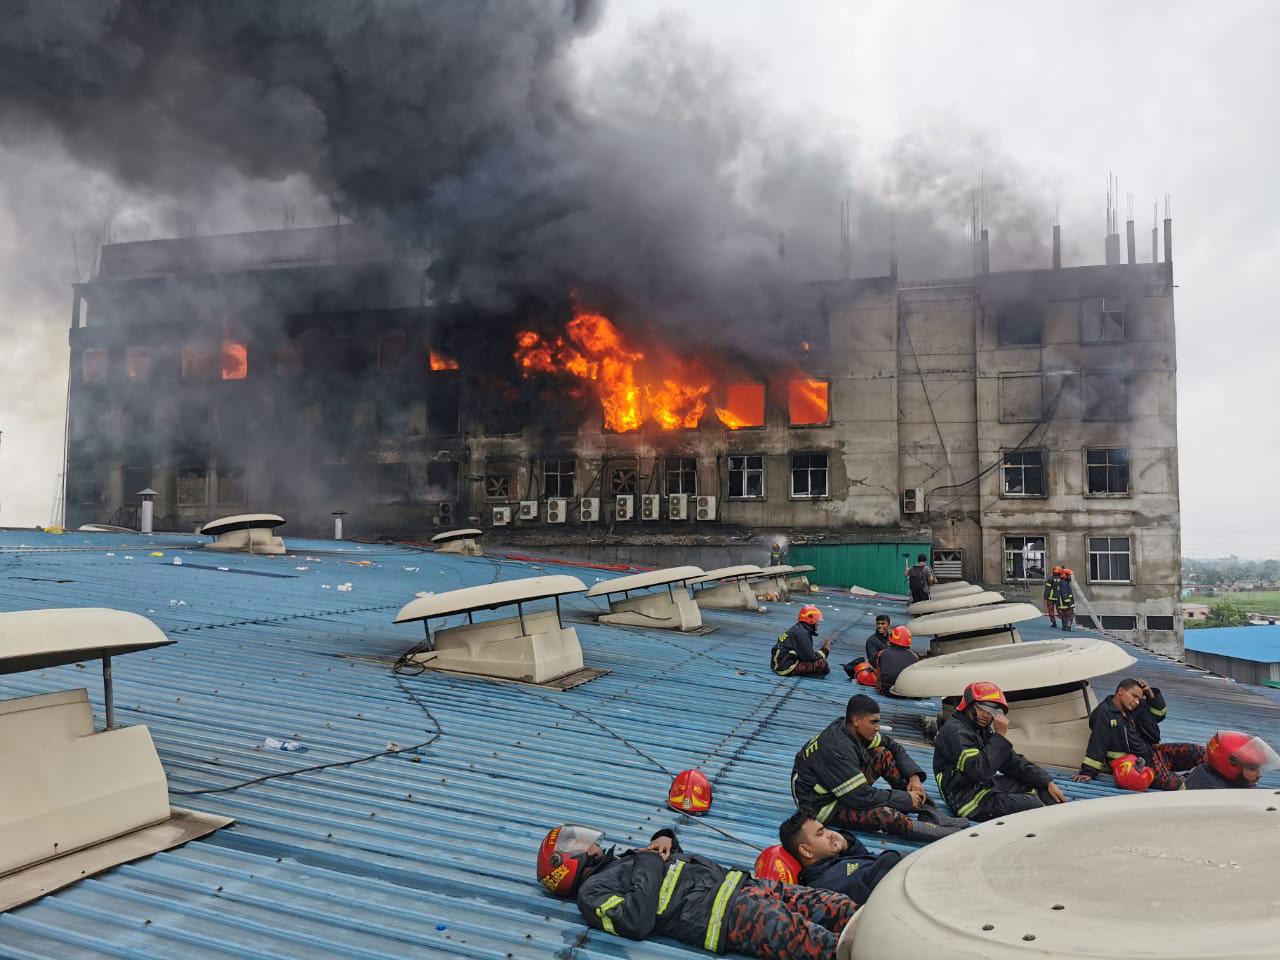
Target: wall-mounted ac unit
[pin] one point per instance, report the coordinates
(528, 510)
(444, 514)
(678, 506)
(913, 500)
(589, 509)
(624, 507)
(650, 506)
(557, 509)
(501, 516)
(706, 508)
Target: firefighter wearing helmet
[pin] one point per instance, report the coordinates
(1233, 759)
(662, 891)
(1051, 594)
(979, 773)
(894, 658)
(794, 653)
(1128, 723)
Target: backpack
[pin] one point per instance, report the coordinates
(918, 579)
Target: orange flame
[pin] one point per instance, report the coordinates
(808, 401)
(235, 360)
(744, 406)
(593, 350)
(440, 362)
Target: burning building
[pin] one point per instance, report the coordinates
(1008, 420)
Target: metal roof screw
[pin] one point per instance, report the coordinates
(973, 834)
(1029, 835)
(1058, 906)
(1028, 936)
(988, 926)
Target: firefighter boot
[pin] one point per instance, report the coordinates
(925, 832)
(930, 813)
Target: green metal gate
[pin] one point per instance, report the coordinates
(876, 566)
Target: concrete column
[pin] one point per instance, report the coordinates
(1057, 247)
(1168, 240)
(1131, 242)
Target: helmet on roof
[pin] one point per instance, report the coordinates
(690, 792)
(900, 636)
(774, 863)
(810, 614)
(1230, 751)
(1132, 773)
(862, 672)
(984, 691)
(562, 858)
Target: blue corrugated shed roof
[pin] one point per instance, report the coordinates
(1259, 644)
(430, 853)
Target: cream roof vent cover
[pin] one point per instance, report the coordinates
(461, 542)
(669, 609)
(641, 581)
(246, 533)
(958, 588)
(962, 602)
(1017, 666)
(967, 620)
(730, 573)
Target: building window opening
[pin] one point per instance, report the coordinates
(808, 475)
(138, 362)
(744, 406)
(443, 408)
(232, 489)
(289, 359)
(198, 361)
(1106, 395)
(442, 481)
(193, 487)
(1159, 623)
(1110, 560)
(746, 477)
(1019, 324)
(1023, 558)
(94, 365)
(1024, 473)
(808, 403)
(1107, 471)
(391, 482)
(441, 361)
(235, 360)
(1118, 623)
(1101, 320)
(392, 348)
(682, 475)
(557, 478)
(623, 479)
(1021, 398)
(497, 486)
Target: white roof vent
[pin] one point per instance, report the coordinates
(953, 602)
(771, 582)
(246, 533)
(464, 542)
(956, 588)
(727, 588)
(973, 628)
(660, 610)
(797, 580)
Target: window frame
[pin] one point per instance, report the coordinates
(791, 424)
(177, 479)
(560, 474)
(1109, 494)
(682, 471)
(764, 405)
(497, 472)
(95, 365)
(1006, 377)
(1173, 622)
(1084, 399)
(1124, 324)
(1104, 617)
(1005, 553)
(1090, 552)
(810, 469)
(747, 470)
(1044, 474)
(997, 310)
(228, 471)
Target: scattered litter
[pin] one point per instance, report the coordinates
(344, 587)
(128, 558)
(109, 554)
(325, 586)
(411, 569)
(303, 569)
(177, 561)
(225, 569)
(763, 609)
(361, 563)
(177, 603)
(312, 559)
(393, 747)
(155, 553)
(291, 746)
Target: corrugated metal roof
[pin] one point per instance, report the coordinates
(1259, 644)
(428, 853)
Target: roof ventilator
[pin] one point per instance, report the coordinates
(246, 533)
(464, 542)
(662, 610)
(771, 582)
(726, 588)
(973, 628)
(797, 581)
(954, 601)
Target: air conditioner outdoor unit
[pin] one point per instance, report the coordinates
(589, 509)
(624, 507)
(913, 500)
(650, 506)
(501, 516)
(557, 509)
(678, 506)
(528, 510)
(444, 514)
(706, 508)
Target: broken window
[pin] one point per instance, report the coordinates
(682, 475)
(1024, 473)
(1021, 398)
(94, 365)
(1023, 558)
(744, 406)
(393, 348)
(193, 486)
(289, 358)
(138, 363)
(1110, 560)
(441, 361)
(808, 403)
(234, 360)
(232, 490)
(442, 481)
(1159, 623)
(88, 488)
(1107, 471)
(136, 479)
(199, 361)
(557, 478)
(498, 486)
(623, 479)
(746, 477)
(1112, 622)
(1101, 320)
(1019, 323)
(1106, 395)
(808, 475)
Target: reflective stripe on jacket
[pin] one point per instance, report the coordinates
(1114, 733)
(832, 770)
(794, 646)
(967, 758)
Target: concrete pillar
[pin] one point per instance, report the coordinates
(1168, 240)
(1155, 245)
(1112, 249)
(1057, 247)
(1131, 242)
(984, 252)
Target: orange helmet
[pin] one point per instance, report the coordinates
(1057, 570)
(900, 637)
(563, 856)
(810, 614)
(1066, 572)
(983, 692)
(1229, 751)
(774, 863)
(1132, 773)
(690, 792)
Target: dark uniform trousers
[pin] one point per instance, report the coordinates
(778, 921)
(812, 668)
(885, 818)
(1009, 796)
(1169, 758)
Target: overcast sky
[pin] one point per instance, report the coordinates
(1175, 98)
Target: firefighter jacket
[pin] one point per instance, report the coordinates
(967, 758)
(1051, 589)
(1204, 777)
(832, 770)
(1114, 733)
(687, 898)
(794, 646)
(854, 873)
(875, 646)
(1064, 594)
(893, 660)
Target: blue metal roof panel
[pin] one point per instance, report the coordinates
(430, 852)
(1259, 644)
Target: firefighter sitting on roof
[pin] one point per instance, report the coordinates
(1128, 723)
(894, 658)
(832, 859)
(862, 670)
(663, 891)
(1233, 759)
(794, 655)
(979, 773)
(835, 773)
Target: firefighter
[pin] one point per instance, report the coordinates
(1065, 598)
(663, 891)
(832, 859)
(794, 655)
(979, 773)
(863, 671)
(777, 556)
(920, 578)
(1051, 594)
(1232, 759)
(1128, 722)
(894, 658)
(835, 773)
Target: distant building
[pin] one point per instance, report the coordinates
(1195, 611)
(1248, 654)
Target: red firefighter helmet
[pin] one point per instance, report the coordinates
(562, 856)
(1057, 570)
(984, 691)
(866, 674)
(810, 614)
(1230, 751)
(690, 792)
(774, 863)
(1066, 572)
(900, 637)
(1132, 773)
